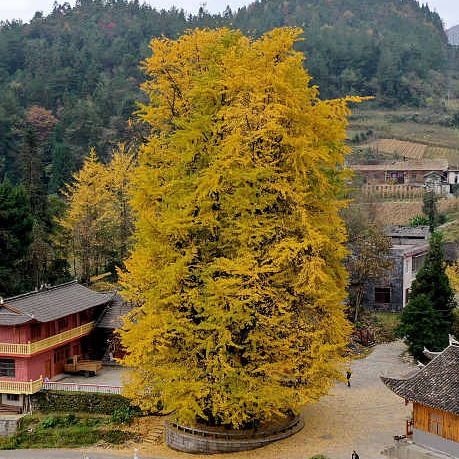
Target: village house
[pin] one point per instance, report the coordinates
(39, 331)
(453, 176)
(436, 182)
(434, 392)
(107, 345)
(412, 172)
(409, 248)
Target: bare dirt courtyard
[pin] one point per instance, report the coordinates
(364, 417)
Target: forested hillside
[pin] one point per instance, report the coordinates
(70, 81)
(82, 63)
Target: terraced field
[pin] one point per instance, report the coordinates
(451, 154)
(398, 148)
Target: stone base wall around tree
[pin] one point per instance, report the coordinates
(205, 442)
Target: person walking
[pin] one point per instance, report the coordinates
(355, 455)
(348, 377)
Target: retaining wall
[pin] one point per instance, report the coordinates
(9, 425)
(208, 442)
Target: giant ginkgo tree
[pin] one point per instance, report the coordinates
(237, 269)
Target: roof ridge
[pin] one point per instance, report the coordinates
(423, 368)
(35, 292)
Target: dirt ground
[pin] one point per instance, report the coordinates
(364, 417)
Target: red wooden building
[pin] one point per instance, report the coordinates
(39, 331)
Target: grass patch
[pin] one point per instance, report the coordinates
(385, 323)
(65, 431)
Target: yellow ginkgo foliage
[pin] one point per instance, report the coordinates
(99, 220)
(237, 270)
(452, 272)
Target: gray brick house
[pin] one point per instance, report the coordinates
(409, 248)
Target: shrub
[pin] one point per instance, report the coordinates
(442, 218)
(50, 422)
(61, 432)
(455, 327)
(419, 220)
(124, 415)
(69, 420)
(79, 402)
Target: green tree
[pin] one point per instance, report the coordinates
(16, 223)
(428, 317)
(429, 209)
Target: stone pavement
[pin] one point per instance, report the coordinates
(108, 375)
(364, 417)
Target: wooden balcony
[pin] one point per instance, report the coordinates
(28, 349)
(20, 387)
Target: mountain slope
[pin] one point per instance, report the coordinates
(384, 48)
(82, 64)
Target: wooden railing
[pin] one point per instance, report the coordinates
(37, 346)
(76, 387)
(20, 387)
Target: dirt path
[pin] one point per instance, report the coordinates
(364, 417)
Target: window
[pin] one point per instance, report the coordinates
(85, 316)
(35, 332)
(417, 263)
(12, 397)
(7, 368)
(62, 324)
(436, 423)
(382, 295)
(61, 354)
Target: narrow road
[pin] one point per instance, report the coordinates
(61, 454)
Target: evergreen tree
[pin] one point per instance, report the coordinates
(429, 208)
(16, 223)
(238, 264)
(428, 317)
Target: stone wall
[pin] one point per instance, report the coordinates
(394, 280)
(203, 443)
(435, 442)
(9, 424)
(408, 450)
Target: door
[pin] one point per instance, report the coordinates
(48, 369)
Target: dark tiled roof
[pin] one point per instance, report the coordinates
(111, 317)
(8, 317)
(407, 231)
(50, 304)
(410, 165)
(435, 385)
